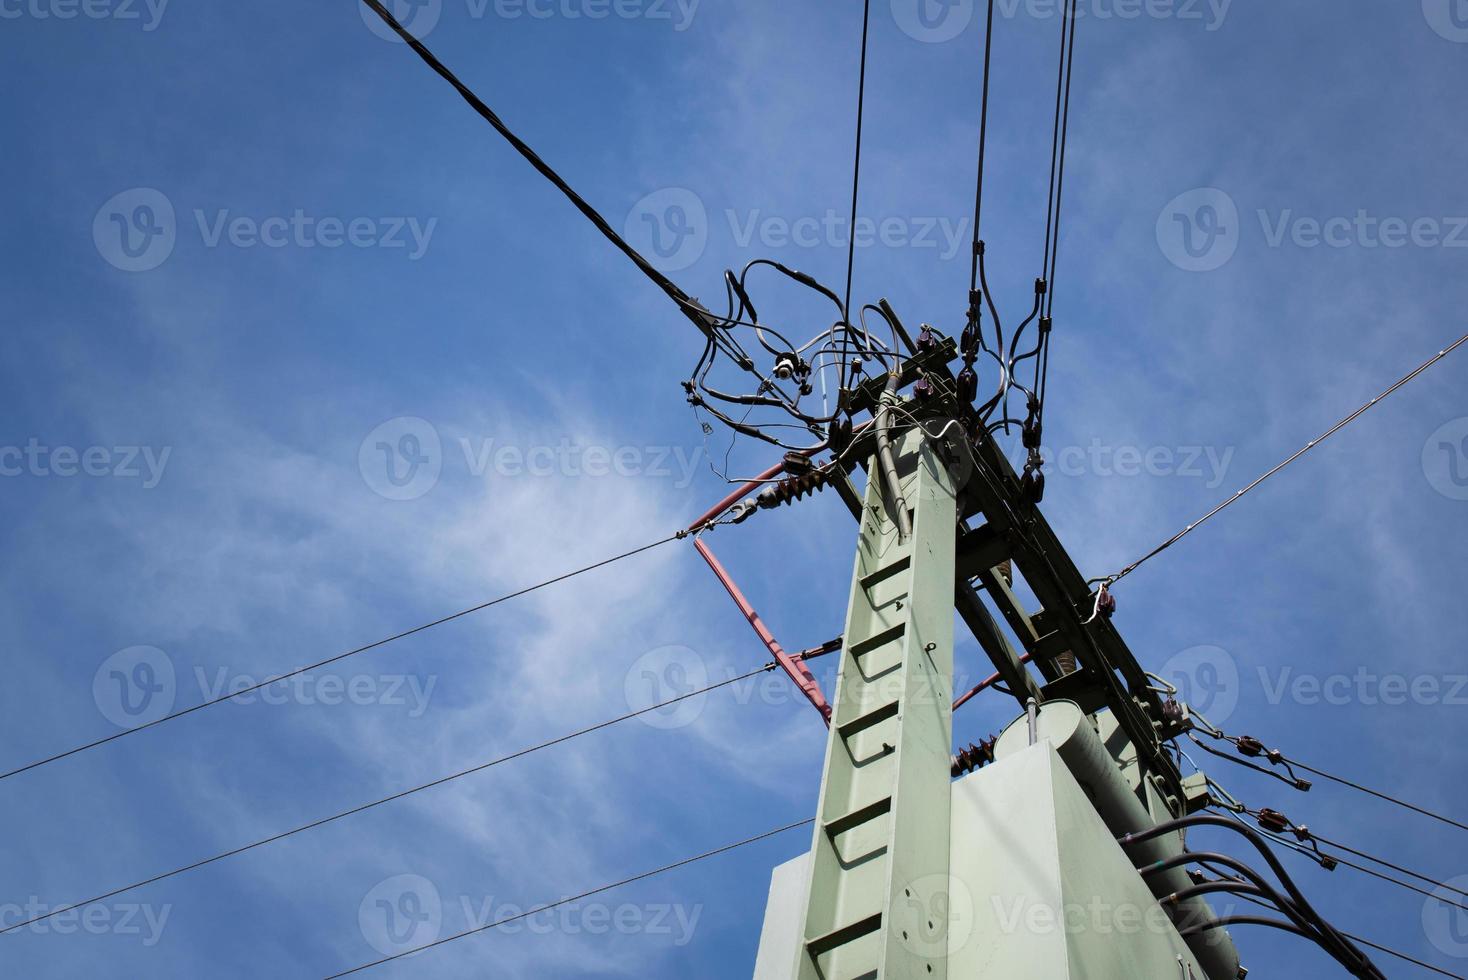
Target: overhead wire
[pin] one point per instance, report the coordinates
(534, 159)
(1379, 795)
(1302, 910)
(1068, 63)
(701, 317)
(1278, 758)
(715, 852)
(1380, 948)
(1239, 889)
(1232, 808)
(235, 694)
(521, 753)
(861, 95)
(1444, 886)
(973, 278)
(1404, 380)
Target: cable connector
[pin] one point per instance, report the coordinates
(1250, 746)
(1105, 604)
(968, 383)
(1032, 485)
(742, 511)
(1277, 823)
(1032, 431)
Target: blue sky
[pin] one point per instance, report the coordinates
(1265, 224)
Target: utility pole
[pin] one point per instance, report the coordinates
(882, 827)
(913, 875)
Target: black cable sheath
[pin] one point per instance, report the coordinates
(1203, 820)
(685, 303)
(973, 276)
(861, 97)
(1303, 917)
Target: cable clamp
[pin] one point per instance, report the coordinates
(1105, 603)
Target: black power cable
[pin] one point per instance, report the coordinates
(1250, 893)
(1379, 948)
(1123, 573)
(861, 98)
(973, 278)
(1274, 824)
(1329, 861)
(339, 657)
(1253, 747)
(1305, 920)
(1347, 953)
(1381, 796)
(685, 303)
(1387, 864)
(1064, 128)
(584, 895)
(386, 799)
(701, 317)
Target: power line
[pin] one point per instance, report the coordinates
(685, 303)
(1064, 123)
(339, 657)
(1327, 861)
(1256, 748)
(1302, 451)
(1381, 796)
(1366, 942)
(1067, 29)
(1401, 956)
(1387, 864)
(1298, 907)
(389, 799)
(861, 98)
(584, 895)
(973, 278)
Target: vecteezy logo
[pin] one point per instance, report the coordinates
(1448, 17)
(1199, 231)
(670, 225)
(401, 913)
(1445, 459)
(1444, 920)
(135, 686)
(402, 458)
(933, 21)
(664, 674)
(936, 915)
(418, 17)
(136, 230)
(1207, 680)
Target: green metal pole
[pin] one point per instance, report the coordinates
(877, 893)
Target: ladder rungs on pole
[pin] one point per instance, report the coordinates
(844, 935)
